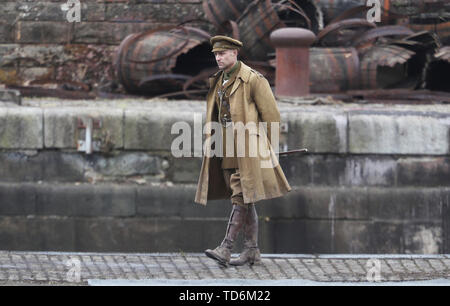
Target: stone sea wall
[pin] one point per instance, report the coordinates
(376, 180)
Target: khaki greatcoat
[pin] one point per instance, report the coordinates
(251, 101)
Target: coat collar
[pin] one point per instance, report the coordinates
(243, 74)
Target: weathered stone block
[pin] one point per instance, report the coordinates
(6, 33)
(17, 199)
(61, 126)
(165, 12)
(43, 32)
(386, 238)
(21, 128)
(10, 11)
(369, 171)
(321, 236)
(318, 132)
(318, 203)
(5, 50)
(86, 200)
(402, 134)
(20, 167)
(446, 223)
(407, 237)
(423, 171)
(424, 238)
(107, 32)
(297, 169)
(177, 201)
(9, 76)
(339, 170)
(184, 169)
(36, 74)
(406, 203)
(159, 201)
(127, 164)
(91, 11)
(31, 56)
(147, 234)
(44, 11)
(37, 233)
(146, 130)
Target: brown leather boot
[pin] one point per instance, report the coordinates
(222, 253)
(250, 254)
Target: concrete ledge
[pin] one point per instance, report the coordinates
(151, 130)
(318, 131)
(390, 134)
(62, 131)
(324, 130)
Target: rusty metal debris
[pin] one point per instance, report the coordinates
(443, 54)
(440, 29)
(398, 64)
(334, 69)
(407, 50)
(342, 33)
(438, 70)
(350, 52)
(383, 31)
(162, 60)
(385, 67)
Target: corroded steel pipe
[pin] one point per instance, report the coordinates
(292, 58)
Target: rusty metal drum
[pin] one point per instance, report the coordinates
(262, 17)
(220, 11)
(161, 60)
(333, 8)
(255, 25)
(385, 66)
(333, 70)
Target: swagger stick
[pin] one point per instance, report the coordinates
(304, 150)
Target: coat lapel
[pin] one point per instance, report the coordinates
(242, 76)
(235, 85)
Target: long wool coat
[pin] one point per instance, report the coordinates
(251, 100)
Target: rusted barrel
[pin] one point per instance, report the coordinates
(437, 70)
(255, 26)
(333, 70)
(161, 60)
(333, 8)
(390, 66)
(219, 11)
(441, 29)
(262, 17)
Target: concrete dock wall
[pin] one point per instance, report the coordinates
(377, 180)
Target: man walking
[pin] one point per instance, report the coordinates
(240, 97)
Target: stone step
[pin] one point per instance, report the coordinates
(148, 218)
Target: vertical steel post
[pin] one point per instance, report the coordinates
(292, 58)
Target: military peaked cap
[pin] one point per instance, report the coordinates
(222, 43)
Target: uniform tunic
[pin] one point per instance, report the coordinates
(224, 85)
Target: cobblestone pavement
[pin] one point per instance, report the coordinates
(54, 268)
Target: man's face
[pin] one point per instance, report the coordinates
(226, 59)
